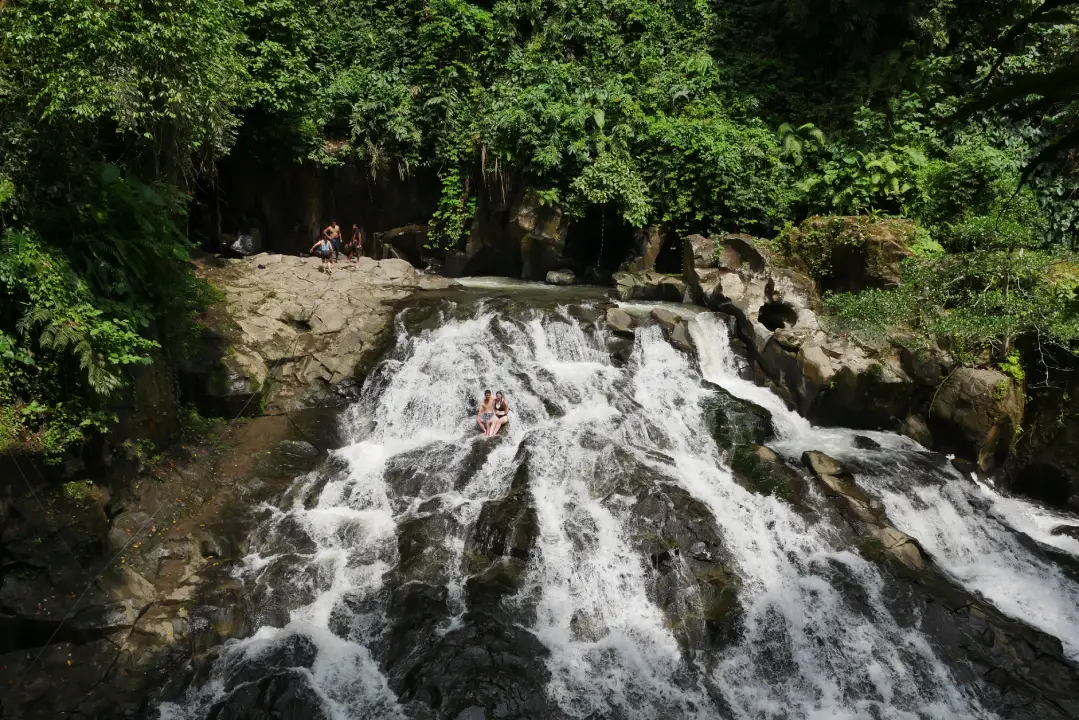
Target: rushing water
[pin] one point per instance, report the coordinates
(379, 600)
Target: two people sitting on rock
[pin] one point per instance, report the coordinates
(492, 413)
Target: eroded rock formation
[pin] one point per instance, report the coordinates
(290, 333)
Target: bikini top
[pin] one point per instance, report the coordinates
(500, 407)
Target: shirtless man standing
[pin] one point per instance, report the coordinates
(485, 416)
(333, 234)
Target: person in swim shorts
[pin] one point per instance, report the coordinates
(333, 234)
(485, 416)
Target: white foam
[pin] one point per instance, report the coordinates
(808, 649)
(946, 514)
(837, 662)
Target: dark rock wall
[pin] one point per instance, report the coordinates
(1045, 464)
(289, 202)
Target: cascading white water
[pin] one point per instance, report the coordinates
(806, 651)
(963, 523)
(584, 428)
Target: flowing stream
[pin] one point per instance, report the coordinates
(600, 558)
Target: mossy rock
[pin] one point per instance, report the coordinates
(761, 476)
(721, 608)
(734, 422)
(850, 254)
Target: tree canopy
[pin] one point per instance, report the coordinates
(704, 115)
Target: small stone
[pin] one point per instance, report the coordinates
(1071, 531)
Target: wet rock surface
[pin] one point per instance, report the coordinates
(835, 379)
(288, 333)
(108, 582)
(457, 539)
(979, 411)
(648, 285)
(864, 513)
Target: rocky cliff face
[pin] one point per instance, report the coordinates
(288, 335)
(113, 565)
(834, 379)
(515, 236)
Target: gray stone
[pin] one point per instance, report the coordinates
(865, 513)
(976, 412)
(700, 251)
(815, 365)
(681, 338)
(620, 322)
(666, 318)
(1071, 531)
(923, 365)
(648, 242)
(917, 429)
(648, 286)
(561, 277)
(310, 329)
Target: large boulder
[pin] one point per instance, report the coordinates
(647, 243)
(699, 251)
(977, 413)
(1045, 464)
(649, 285)
(407, 242)
(620, 322)
(828, 377)
(287, 333)
(849, 254)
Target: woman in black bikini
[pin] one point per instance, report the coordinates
(502, 414)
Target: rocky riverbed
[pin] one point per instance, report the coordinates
(115, 565)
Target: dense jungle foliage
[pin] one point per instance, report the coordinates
(707, 115)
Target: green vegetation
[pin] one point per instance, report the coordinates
(980, 302)
(83, 492)
(736, 115)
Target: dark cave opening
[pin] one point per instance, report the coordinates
(598, 243)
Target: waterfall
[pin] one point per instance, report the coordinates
(376, 599)
(967, 527)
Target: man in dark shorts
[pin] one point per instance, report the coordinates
(333, 234)
(355, 245)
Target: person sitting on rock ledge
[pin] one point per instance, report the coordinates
(324, 250)
(485, 416)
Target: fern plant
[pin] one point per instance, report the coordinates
(795, 142)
